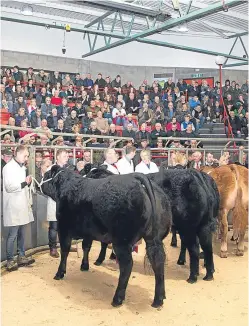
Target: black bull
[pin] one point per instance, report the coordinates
(117, 209)
(194, 200)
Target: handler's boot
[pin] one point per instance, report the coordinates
(54, 253)
(24, 261)
(12, 265)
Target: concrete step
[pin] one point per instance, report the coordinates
(212, 135)
(215, 131)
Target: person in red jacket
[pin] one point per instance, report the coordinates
(56, 100)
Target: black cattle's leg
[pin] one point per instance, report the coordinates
(182, 257)
(125, 261)
(205, 237)
(156, 255)
(174, 238)
(192, 244)
(86, 247)
(65, 244)
(102, 254)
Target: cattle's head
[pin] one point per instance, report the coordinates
(48, 184)
(98, 173)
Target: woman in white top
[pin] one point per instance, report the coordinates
(146, 166)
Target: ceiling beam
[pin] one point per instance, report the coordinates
(238, 34)
(122, 37)
(200, 13)
(108, 13)
(237, 64)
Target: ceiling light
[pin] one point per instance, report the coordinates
(220, 60)
(27, 10)
(183, 28)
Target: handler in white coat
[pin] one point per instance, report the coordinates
(125, 164)
(146, 166)
(17, 210)
(111, 160)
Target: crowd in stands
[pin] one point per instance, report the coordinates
(105, 106)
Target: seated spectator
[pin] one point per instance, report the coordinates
(18, 92)
(86, 121)
(60, 126)
(55, 78)
(129, 131)
(19, 104)
(195, 161)
(155, 93)
(187, 122)
(44, 127)
(224, 160)
(112, 130)
(100, 81)
(17, 75)
(244, 125)
(63, 109)
(23, 133)
(177, 161)
(30, 88)
(36, 118)
(98, 102)
(47, 106)
(169, 112)
(44, 140)
(56, 100)
(193, 102)
(57, 87)
(88, 82)
(41, 96)
(158, 115)
(32, 107)
(173, 132)
(71, 120)
(147, 100)
(78, 82)
(193, 144)
(93, 108)
(146, 166)
(67, 81)
(20, 117)
(193, 89)
(102, 123)
(78, 140)
(70, 94)
(157, 132)
(106, 111)
(142, 134)
(157, 102)
(180, 103)
(239, 110)
(169, 84)
(198, 117)
(132, 104)
(171, 123)
(145, 115)
(228, 100)
(211, 161)
(119, 114)
(120, 98)
(233, 126)
(79, 109)
(243, 101)
(52, 120)
(129, 120)
(189, 132)
(41, 78)
(218, 110)
(94, 131)
(182, 85)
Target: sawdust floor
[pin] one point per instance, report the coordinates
(30, 296)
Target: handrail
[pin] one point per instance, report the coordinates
(200, 139)
(40, 131)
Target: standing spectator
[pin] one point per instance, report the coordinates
(88, 82)
(100, 81)
(125, 164)
(78, 82)
(18, 76)
(169, 84)
(17, 210)
(211, 161)
(225, 89)
(67, 81)
(29, 75)
(182, 85)
(6, 156)
(146, 166)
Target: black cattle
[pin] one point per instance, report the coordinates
(195, 202)
(117, 209)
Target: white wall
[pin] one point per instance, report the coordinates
(33, 39)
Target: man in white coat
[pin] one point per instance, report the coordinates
(17, 210)
(111, 160)
(125, 164)
(146, 166)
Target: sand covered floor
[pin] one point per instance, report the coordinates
(30, 296)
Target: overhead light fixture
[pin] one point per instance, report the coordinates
(220, 60)
(183, 28)
(27, 10)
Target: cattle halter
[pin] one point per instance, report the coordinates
(42, 181)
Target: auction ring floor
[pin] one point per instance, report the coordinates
(30, 296)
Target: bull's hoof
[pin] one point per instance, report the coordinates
(223, 254)
(208, 277)
(181, 262)
(173, 244)
(192, 279)
(239, 252)
(157, 303)
(59, 276)
(117, 302)
(84, 268)
(201, 256)
(98, 262)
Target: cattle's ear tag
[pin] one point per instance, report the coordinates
(143, 185)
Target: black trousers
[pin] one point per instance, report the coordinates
(52, 235)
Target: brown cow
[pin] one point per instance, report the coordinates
(232, 183)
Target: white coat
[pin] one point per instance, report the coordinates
(125, 166)
(111, 168)
(17, 208)
(143, 168)
(51, 210)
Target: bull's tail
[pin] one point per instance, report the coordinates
(237, 215)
